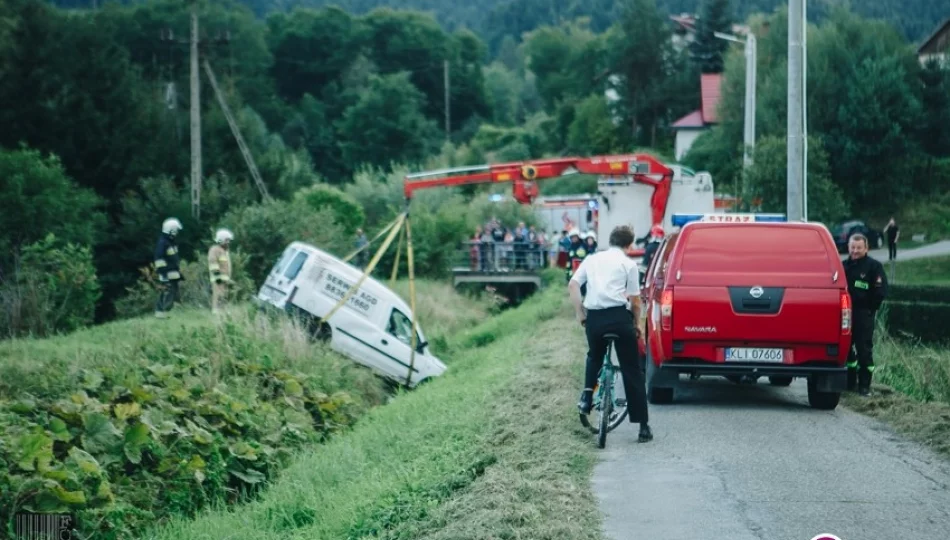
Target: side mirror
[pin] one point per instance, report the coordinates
(421, 347)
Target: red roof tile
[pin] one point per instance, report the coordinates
(711, 86)
(691, 120)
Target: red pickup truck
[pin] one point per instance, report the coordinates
(747, 296)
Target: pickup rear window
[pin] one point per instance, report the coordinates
(747, 248)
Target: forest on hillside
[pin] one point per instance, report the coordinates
(335, 107)
(493, 20)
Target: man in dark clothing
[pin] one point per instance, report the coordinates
(867, 285)
(576, 252)
(655, 239)
(167, 263)
(893, 233)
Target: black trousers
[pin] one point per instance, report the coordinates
(861, 355)
(167, 294)
(891, 251)
(619, 321)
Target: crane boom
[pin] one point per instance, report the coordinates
(642, 168)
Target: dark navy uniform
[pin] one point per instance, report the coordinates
(867, 285)
(168, 265)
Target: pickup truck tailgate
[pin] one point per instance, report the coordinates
(766, 315)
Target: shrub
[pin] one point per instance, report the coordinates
(344, 208)
(194, 291)
(53, 288)
(918, 293)
(923, 321)
(143, 425)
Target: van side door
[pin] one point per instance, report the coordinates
(399, 345)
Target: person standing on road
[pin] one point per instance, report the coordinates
(612, 306)
(893, 233)
(867, 285)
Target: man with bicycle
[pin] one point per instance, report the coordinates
(612, 306)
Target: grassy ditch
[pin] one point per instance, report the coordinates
(911, 391)
(492, 449)
(130, 423)
(924, 271)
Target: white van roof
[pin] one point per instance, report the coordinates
(370, 284)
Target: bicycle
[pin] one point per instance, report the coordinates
(612, 410)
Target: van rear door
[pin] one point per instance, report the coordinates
(767, 284)
(280, 282)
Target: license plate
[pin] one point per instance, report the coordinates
(737, 354)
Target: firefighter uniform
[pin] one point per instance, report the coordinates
(867, 285)
(219, 268)
(577, 251)
(167, 264)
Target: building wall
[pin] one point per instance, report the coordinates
(684, 140)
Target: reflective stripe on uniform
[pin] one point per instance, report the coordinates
(871, 369)
(223, 258)
(171, 251)
(852, 364)
(173, 275)
(214, 267)
(160, 263)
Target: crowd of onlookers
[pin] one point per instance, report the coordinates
(495, 247)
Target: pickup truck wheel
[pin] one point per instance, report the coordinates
(780, 381)
(825, 401)
(660, 396)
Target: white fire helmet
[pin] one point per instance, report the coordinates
(171, 226)
(222, 236)
(573, 232)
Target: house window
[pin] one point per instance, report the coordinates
(401, 326)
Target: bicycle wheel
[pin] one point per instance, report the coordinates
(606, 408)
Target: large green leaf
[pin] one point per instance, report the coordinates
(100, 436)
(85, 461)
(35, 451)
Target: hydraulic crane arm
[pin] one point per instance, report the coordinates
(641, 167)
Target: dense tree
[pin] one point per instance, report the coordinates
(707, 50)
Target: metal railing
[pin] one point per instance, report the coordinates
(497, 257)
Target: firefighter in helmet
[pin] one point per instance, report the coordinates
(576, 252)
(167, 263)
(653, 243)
(219, 268)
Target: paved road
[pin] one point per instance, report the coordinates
(756, 463)
(930, 250)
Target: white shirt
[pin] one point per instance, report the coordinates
(611, 277)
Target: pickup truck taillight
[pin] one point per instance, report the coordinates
(666, 310)
(845, 313)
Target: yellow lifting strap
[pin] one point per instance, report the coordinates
(375, 238)
(402, 239)
(412, 299)
(395, 227)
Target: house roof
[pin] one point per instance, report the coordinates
(936, 40)
(693, 120)
(711, 92)
(710, 88)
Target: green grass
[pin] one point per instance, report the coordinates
(176, 414)
(925, 271)
(492, 449)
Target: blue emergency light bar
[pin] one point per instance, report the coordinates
(680, 220)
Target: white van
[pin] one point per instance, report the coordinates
(374, 327)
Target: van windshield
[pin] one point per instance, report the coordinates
(288, 253)
(762, 250)
(294, 267)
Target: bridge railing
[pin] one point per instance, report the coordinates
(502, 257)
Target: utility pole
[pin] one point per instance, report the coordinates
(445, 67)
(750, 84)
(195, 117)
(805, 110)
(245, 151)
(795, 141)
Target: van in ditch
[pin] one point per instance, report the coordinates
(373, 328)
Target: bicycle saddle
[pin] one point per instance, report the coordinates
(611, 336)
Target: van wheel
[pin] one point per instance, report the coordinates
(780, 381)
(825, 401)
(318, 331)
